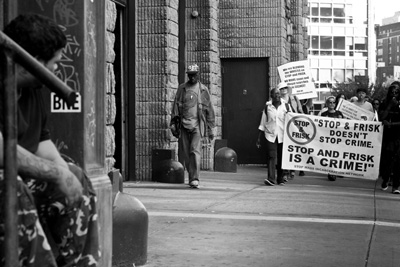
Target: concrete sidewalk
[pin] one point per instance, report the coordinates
(235, 220)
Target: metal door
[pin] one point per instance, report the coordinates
(244, 93)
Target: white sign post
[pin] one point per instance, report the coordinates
(298, 76)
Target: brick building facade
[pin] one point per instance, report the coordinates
(148, 44)
(213, 30)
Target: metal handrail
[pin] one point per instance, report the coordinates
(13, 53)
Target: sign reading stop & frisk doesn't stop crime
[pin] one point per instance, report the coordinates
(337, 146)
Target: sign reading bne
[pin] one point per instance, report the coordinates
(58, 105)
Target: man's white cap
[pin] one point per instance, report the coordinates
(282, 85)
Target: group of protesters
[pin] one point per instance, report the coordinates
(386, 111)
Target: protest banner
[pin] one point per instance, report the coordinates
(350, 148)
(297, 75)
(353, 112)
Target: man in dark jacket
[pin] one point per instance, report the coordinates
(192, 118)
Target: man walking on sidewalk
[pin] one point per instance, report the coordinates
(272, 125)
(192, 118)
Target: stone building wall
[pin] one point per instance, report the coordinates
(258, 29)
(299, 12)
(110, 105)
(156, 79)
(222, 29)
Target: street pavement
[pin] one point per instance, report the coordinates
(233, 219)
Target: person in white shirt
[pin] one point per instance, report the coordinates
(362, 100)
(296, 106)
(272, 125)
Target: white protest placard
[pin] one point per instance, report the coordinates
(298, 76)
(353, 112)
(343, 147)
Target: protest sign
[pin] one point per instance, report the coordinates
(353, 112)
(343, 147)
(297, 75)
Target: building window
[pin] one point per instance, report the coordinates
(339, 43)
(338, 13)
(390, 60)
(326, 13)
(326, 42)
(338, 75)
(380, 52)
(380, 42)
(315, 42)
(325, 75)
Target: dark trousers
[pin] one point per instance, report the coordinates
(389, 167)
(275, 156)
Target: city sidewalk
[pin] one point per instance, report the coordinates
(233, 219)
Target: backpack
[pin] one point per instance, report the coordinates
(266, 110)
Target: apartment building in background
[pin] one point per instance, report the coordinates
(388, 51)
(342, 43)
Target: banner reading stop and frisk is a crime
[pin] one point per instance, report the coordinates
(343, 147)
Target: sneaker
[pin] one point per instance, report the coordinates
(396, 191)
(281, 184)
(331, 177)
(384, 186)
(268, 182)
(301, 173)
(194, 184)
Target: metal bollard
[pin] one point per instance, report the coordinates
(130, 231)
(225, 160)
(169, 171)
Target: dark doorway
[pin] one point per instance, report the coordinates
(245, 89)
(120, 93)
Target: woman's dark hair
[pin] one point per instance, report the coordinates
(38, 35)
(393, 86)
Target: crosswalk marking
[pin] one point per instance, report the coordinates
(270, 218)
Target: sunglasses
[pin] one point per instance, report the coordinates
(376, 104)
(330, 102)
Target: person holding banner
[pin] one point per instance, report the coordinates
(362, 99)
(330, 104)
(389, 113)
(297, 107)
(272, 125)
